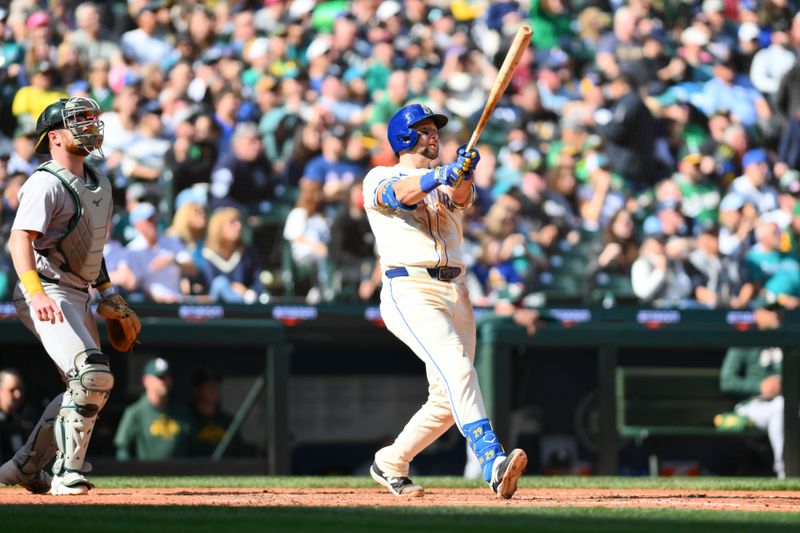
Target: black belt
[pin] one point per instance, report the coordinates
(58, 282)
(446, 273)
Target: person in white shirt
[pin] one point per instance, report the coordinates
(158, 262)
(143, 45)
(753, 186)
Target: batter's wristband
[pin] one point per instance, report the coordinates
(30, 280)
(428, 181)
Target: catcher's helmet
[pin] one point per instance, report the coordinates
(77, 114)
(402, 135)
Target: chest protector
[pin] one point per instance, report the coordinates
(82, 246)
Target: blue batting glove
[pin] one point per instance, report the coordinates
(473, 156)
(451, 174)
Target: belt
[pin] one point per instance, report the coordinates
(58, 282)
(446, 273)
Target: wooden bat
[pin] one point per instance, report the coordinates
(518, 46)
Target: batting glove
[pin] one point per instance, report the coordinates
(473, 156)
(451, 174)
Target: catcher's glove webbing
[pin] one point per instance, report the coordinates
(122, 324)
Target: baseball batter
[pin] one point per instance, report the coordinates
(415, 213)
(56, 245)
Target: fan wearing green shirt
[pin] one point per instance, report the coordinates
(700, 196)
(154, 427)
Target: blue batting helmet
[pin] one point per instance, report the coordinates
(402, 135)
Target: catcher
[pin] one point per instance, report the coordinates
(56, 245)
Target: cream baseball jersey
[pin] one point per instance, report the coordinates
(428, 236)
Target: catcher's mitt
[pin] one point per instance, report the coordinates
(122, 324)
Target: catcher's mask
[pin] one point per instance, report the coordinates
(81, 116)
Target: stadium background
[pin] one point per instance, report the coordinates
(340, 376)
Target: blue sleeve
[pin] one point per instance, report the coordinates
(315, 170)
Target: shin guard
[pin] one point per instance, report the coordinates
(484, 444)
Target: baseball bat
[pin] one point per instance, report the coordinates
(513, 56)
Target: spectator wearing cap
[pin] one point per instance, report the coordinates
(143, 44)
(747, 47)
(753, 185)
(158, 262)
(667, 222)
(143, 159)
(243, 178)
(155, 427)
(700, 196)
(89, 39)
(553, 94)
(717, 278)
(190, 158)
(692, 63)
(771, 64)
(330, 170)
(209, 421)
(23, 157)
(729, 91)
(772, 275)
(628, 129)
(31, 100)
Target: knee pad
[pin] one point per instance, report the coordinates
(484, 443)
(88, 385)
(90, 382)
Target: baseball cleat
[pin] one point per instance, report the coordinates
(38, 483)
(507, 473)
(399, 486)
(70, 484)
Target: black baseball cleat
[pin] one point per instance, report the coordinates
(399, 486)
(507, 473)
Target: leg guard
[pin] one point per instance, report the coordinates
(484, 444)
(40, 447)
(88, 386)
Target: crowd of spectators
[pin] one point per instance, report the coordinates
(644, 150)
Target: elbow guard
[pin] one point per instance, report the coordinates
(389, 199)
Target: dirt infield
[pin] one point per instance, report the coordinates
(646, 498)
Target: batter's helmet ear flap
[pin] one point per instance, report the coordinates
(401, 133)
